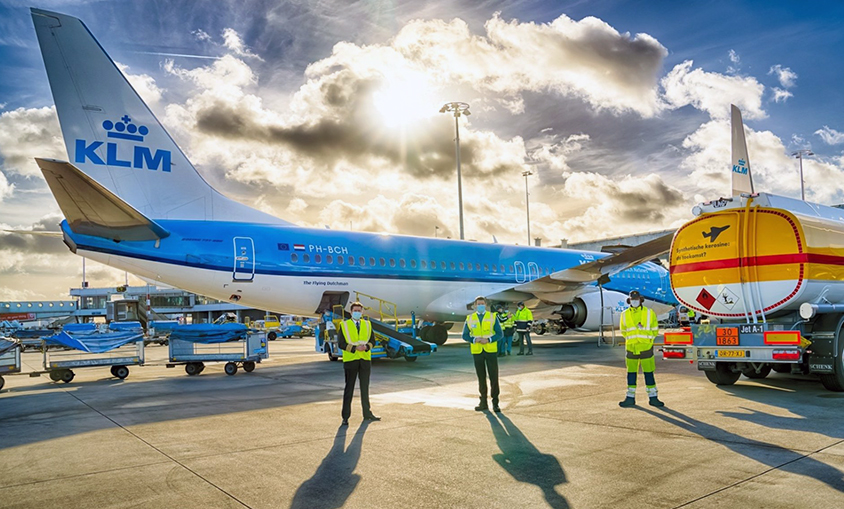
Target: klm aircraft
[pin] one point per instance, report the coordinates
(133, 201)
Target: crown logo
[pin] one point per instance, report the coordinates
(125, 129)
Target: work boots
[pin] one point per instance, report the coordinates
(654, 401)
(628, 402)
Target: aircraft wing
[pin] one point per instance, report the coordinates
(561, 286)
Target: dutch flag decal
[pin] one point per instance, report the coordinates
(299, 247)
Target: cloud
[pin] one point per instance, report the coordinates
(713, 92)
(735, 60)
(26, 133)
(785, 75)
(201, 35)
(143, 84)
(830, 136)
(6, 189)
(232, 41)
(781, 95)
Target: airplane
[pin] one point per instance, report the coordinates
(714, 232)
(132, 200)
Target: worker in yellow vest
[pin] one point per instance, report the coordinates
(356, 342)
(482, 331)
(524, 319)
(508, 326)
(639, 326)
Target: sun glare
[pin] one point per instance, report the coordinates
(404, 100)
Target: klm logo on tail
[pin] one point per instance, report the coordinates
(741, 167)
(141, 157)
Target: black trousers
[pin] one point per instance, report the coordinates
(524, 336)
(352, 369)
(487, 362)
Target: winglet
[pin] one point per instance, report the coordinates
(91, 209)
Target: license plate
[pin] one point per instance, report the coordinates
(730, 353)
(727, 336)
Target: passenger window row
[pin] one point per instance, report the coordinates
(425, 264)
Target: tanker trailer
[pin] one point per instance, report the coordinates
(769, 272)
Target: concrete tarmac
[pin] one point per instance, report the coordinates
(272, 438)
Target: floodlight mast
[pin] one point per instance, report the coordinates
(799, 155)
(526, 174)
(457, 109)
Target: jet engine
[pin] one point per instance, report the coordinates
(584, 312)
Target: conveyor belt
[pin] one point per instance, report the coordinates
(386, 330)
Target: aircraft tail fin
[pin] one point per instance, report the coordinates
(742, 179)
(113, 137)
(91, 209)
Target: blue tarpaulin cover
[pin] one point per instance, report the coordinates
(125, 326)
(6, 345)
(209, 333)
(80, 328)
(95, 343)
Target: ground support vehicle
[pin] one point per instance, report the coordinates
(245, 352)
(10, 359)
(768, 269)
(59, 364)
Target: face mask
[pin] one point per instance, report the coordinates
(635, 303)
(356, 315)
(481, 308)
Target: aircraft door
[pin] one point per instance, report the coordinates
(533, 271)
(244, 259)
(520, 272)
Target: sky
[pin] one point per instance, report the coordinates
(327, 113)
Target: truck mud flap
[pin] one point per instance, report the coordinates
(706, 365)
(821, 365)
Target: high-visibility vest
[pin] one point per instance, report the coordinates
(506, 320)
(691, 314)
(523, 315)
(482, 328)
(350, 331)
(639, 340)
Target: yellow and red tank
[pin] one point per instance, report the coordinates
(756, 256)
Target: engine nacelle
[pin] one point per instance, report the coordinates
(584, 312)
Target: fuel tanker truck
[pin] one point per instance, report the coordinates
(769, 272)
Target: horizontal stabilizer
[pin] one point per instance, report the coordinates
(91, 209)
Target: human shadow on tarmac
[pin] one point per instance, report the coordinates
(334, 480)
(522, 460)
(772, 455)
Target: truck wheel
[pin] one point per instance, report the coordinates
(753, 375)
(722, 375)
(121, 372)
(55, 376)
(192, 368)
(835, 381)
(782, 368)
(249, 366)
(2, 383)
(67, 376)
(410, 359)
(271, 336)
(230, 368)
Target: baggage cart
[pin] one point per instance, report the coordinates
(10, 359)
(246, 352)
(60, 363)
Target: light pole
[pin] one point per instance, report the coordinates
(458, 109)
(799, 155)
(436, 232)
(526, 174)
